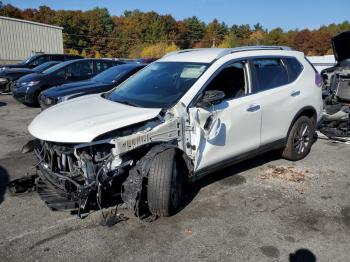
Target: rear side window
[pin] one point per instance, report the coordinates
(294, 68)
(102, 66)
(270, 73)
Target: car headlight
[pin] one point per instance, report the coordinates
(62, 99)
(3, 80)
(49, 101)
(3, 68)
(31, 83)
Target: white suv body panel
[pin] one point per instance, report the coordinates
(235, 129)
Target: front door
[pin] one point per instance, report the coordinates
(230, 128)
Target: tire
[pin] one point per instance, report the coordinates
(300, 139)
(164, 188)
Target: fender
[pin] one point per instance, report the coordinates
(309, 111)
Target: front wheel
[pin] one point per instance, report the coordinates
(300, 139)
(164, 187)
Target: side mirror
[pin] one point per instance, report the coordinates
(211, 97)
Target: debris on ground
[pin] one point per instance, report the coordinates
(284, 173)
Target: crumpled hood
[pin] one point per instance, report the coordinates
(81, 120)
(341, 46)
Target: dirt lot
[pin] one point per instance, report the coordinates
(264, 209)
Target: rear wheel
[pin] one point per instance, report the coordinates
(164, 188)
(300, 139)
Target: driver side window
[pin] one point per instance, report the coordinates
(40, 60)
(232, 80)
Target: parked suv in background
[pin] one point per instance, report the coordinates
(8, 76)
(102, 82)
(27, 88)
(186, 115)
(39, 59)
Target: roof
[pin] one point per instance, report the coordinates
(208, 55)
(29, 22)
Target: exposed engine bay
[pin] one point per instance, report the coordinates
(80, 177)
(336, 92)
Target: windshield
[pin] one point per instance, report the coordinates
(44, 66)
(159, 85)
(56, 67)
(29, 59)
(111, 75)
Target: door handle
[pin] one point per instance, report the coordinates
(253, 108)
(295, 93)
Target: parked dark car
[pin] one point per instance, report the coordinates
(8, 76)
(39, 59)
(27, 88)
(103, 82)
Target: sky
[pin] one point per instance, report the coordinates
(287, 14)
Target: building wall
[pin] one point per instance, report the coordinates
(19, 39)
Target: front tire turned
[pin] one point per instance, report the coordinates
(300, 139)
(164, 187)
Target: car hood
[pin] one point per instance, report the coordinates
(72, 88)
(11, 71)
(83, 119)
(13, 65)
(31, 77)
(341, 46)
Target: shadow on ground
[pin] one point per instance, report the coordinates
(193, 189)
(4, 179)
(3, 104)
(302, 255)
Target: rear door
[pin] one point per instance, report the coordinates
(278, 96)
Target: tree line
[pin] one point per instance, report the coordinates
(96, 33)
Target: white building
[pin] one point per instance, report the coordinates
(322, 62)
(20, 38)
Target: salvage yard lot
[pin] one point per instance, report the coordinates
(263, 209)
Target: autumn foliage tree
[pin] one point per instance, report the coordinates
(96, 33)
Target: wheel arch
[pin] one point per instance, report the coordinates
(308, 111)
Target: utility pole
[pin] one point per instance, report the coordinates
(214, 42)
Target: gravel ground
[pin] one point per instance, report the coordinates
(264, 209)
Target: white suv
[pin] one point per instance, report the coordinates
(181, 117)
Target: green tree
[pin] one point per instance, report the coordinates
(214, 33)
(195, 30)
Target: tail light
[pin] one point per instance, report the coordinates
(318, 79)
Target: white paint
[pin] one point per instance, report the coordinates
(82, 119)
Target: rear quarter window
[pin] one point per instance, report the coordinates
(294, 68)
(270, 73)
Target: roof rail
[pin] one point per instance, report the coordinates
(260, 47)
(227, 51)
(252, 48)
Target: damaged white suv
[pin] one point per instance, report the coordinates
(186, 115)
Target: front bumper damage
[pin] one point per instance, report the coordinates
(80, 176)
